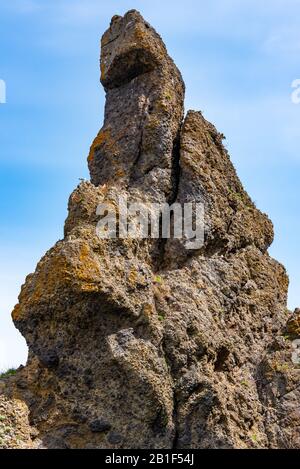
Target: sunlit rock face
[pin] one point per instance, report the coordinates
(144, 343)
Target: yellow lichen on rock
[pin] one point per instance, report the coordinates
(102, 136)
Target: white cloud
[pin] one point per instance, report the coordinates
(3, 356)
(14, 268)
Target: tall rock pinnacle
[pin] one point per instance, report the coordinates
(144, 109)
(145, 343)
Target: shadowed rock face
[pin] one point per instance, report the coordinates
(145, 343)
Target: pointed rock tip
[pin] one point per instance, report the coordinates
(130, 47)
(130, 14)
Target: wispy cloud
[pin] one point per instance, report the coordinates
(13, 350)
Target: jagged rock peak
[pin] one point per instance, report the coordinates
(140, 343)
(137, 147)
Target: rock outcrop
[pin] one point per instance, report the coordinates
(137, 146)
(145, 343)
(15, 430)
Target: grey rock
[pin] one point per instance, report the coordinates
(172, 347)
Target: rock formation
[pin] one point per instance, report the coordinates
(144, 343)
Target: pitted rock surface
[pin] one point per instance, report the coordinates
(145, 343)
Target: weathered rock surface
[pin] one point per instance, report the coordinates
(143, 343)
(15, 431)
(143, 112)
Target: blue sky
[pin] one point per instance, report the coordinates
(238, 59)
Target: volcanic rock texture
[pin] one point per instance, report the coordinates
(145, 343)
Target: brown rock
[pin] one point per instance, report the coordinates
(293, 324)
(139, 343)
(135, 147)
(15, 431)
